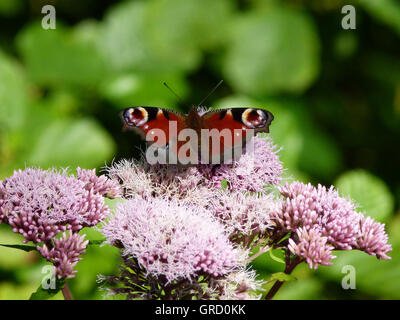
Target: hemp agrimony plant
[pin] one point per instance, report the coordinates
(49, 208)
(188, 232)
(191, 232)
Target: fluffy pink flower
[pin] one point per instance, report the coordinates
(251, 172)
(170, 181)
(308, 206)
(64, 253)
(241, 285)
(312, 247)
(101, 185)
(325, 218)
(169, 239)
(373, 238)
(41, 203)
(243, 214)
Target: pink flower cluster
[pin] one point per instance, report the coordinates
(244, 215)
(251, 172)
(65, 253)
(323, 221)
(101, 185)
(171, 240)
(187, 231)
(181, 224)
(40, 204)
(312, 247)
(160, 226)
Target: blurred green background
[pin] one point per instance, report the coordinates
(335, 95)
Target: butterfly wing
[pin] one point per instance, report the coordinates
(236, 124)
(238, 118)
(151, 122)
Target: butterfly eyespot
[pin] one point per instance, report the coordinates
(254, 118)
(135, 117)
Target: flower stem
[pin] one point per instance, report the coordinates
(288, 270)
(66, 293)
(259, 253)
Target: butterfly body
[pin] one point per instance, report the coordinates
(228, 127)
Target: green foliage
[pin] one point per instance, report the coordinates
(224, 184)
(13, 94)
(13, 259)
(281, 276)
(275, 258)
(22, 247)
(10, 7)
(387, 11)
(45, 294)
(123, 40)
(309, 288)
(369, 192)
(144, 89)
(373, 277)
(71, 143)
(61, 46)
(188, 25)
(100, 259)
(285, 59)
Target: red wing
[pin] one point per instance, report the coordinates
(233, 126)
(238, 118)
(154, 124)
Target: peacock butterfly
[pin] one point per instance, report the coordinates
(198, 136)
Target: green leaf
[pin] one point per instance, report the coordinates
(141, 36)
(387, 11)
(320, 156)
(13, 95)
(45, 294)
(112, 203)
(122, 42)
(224, 184)
(268, 55)
(14, 104)
(287, 236)
(275, 258)
(97, 260)
(282, 277)
(189, 30)
(145, 89)
(26, 248)
(374, 277)
(125, 44)
(67, 142)
(370, 193)
(12, 258)
(345, 44)
(95, 242)
(10, 7)
(69, 58)
(304, 289)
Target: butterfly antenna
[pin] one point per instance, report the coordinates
(211, 92)
(173, 92)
